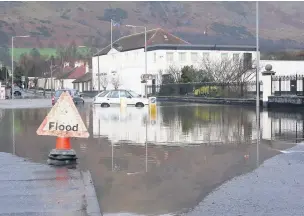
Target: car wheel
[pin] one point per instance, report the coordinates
(105, 105)
(17, 93)
(139, 104)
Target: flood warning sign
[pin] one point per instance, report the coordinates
(63, 120)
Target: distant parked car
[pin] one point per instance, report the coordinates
(17, 91)
(112, 98)
(77, 97)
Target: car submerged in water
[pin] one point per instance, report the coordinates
(76, 96)
(109, 98)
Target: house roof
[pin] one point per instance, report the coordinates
(84, 78)
(137, 41)
(201, 47)
(58, 71)
(74, 73)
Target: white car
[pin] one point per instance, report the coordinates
(109, 98)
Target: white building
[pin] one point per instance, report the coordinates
(125, 61)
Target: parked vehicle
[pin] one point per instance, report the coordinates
(112, 98)
(77, 97)
(17, 91)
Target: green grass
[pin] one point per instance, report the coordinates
(43, 51)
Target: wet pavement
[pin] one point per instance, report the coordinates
(275, 188)
(29, 188)
(190, 151)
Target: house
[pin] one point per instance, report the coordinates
(49, 80)
(83, 83)
(124, 63)
(57, 78)
(66, 80)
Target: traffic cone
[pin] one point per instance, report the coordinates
(63, 143)
(63, 154)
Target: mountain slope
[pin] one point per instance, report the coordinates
(54, 23)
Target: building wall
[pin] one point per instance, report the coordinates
(283, 68)
(84, 86)
(130, 65)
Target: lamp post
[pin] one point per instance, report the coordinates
(257, 82)
(21, 36)
(146, 62)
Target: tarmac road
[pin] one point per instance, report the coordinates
(274, 189)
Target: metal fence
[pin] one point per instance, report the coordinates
(288, 85)
(213, 90)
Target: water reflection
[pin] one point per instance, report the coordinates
(176, 125)
(159, 168)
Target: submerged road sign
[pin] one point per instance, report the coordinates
(63, 120)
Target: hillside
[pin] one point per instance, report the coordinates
(88, 23)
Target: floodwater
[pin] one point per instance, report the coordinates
(159, 164)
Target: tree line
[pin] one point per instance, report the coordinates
(34, 64)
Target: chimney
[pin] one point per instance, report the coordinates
(87, 67)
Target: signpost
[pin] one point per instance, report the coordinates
(63, 121)
(147, 77)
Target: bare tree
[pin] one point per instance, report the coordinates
(116, 81)
(228, 71)
(104, 81)
(174, 75)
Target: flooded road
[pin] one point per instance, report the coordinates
(160, 166)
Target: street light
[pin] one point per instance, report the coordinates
(146, 64)
(257, 82)
(21, 36)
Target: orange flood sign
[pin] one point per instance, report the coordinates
(63, 120)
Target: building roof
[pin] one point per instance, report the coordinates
(201, 47)
(74, 73)
(84, 78)
(137, 41)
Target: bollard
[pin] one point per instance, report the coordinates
(152, 110)
(123, 103)
(63, 154)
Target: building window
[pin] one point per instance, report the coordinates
(224, 56)
(169, 56)
(182, 56)
(236, 58)
(154, 57)
(206, 56)
(247, 60)
(194, 57)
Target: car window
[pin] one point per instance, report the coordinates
(114, 94)
(123, 94)
(58, 93)
(104, 93)
(134, 94)
(128, 95)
